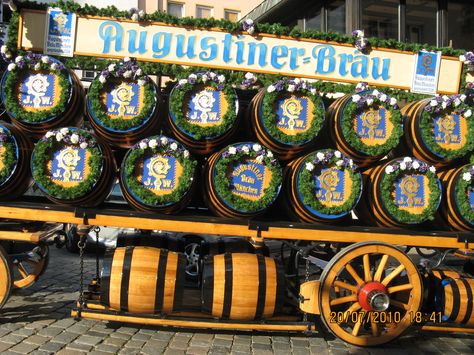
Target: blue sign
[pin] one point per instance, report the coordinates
(447, 129)
(68, 165)
(372, 124)
(60, 32)
(37, 91)
(425, 78)
(410, 191)
(426, 64)
(204, 107)
(330, 185)
(471, 198)
(247, 179)
(123, 100)
(292, 113)
(159, 173)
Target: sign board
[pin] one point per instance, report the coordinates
(306, 58)
(426, 72)
(60, 32)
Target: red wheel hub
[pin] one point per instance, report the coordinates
(373, 296)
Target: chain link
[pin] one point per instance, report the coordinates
(81, 245)
(97, 266)
(306, 279)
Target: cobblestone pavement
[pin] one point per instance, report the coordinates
(37, 321)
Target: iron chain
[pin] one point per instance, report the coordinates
(97, 266)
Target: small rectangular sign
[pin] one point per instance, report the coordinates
(426, 72)
(60, 32)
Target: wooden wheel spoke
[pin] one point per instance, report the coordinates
(21, 269)
(399, 288)
(381, 268)
(358, 324)
(400, 305)
(341, 300)
(347, 314)
(375, 327)
(344, 285)
(367, 274)
(393, 274)
(354, 274)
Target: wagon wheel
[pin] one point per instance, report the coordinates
(369, 293)
(6, 277)
(28, 267)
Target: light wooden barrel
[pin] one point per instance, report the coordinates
(457, 301)
(203, 115)
(331, 188)
(286, 135)
(15, 154)
(122, 98)
(143, 280)
(373, 128)
(242, 286)
(70, 115)
(410, 194)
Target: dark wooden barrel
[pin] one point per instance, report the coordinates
(439, 139)
(15, 154)
(320, 190)
(238, 185)
(242, 286)
(123, 112)
(287, 123)
(455, 301)
(401, 198)
(203, 118)
(40, 100)
(364, 133)
(143, 280)
(158, 178)
(77, 173)
(457, 206)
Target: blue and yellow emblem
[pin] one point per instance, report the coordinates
(68, 168)
(471, 198)
(39, 92)
(412, 193)
(333, 186)
(373, 126)
(123, 99)
(2, 156)
(206, 107)
(427, 63)
(294, 114)
(60, 23)
(160, 174)
(450, 131)
(249, 179)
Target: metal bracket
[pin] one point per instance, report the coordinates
(259, 227)
(84, 214)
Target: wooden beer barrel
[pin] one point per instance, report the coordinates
(123, 107)
(242, 180)
(242, 286)
(72, 167)
(203, 113)
(157, 175)
(286, 122)
(437, 137)
(401, 192)
(15, 154)
(143, 280)
(456, 301)
(457, 205)
(322, 186)
(40, 94)
(365, 126)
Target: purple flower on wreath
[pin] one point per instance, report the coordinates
(248, 26)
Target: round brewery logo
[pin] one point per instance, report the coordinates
(333, 186)
(206, 107)
(68, 167)
(39, 92)
(471, 197)
(450, 131)
(249, 179)
(373, 126)
(294, 114)
(124, 100)
(412, 193)
(160, 174)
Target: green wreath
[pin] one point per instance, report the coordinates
(43, 153)
(307, 188)
(144, 194)
(463, 188)
(119, 123)
(222, 182)
(387, 186)
(9, 157)
(178, 97)
(270, 118)
(351, 110)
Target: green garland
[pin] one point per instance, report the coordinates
(307, 188)
(178, 98)
(222, 182)
(43, 153)
(463, 188)
(144, 194)
(8, 158)
(119, 123)
(270, 118)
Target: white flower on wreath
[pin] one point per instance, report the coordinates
(257, 147)
(212, 75)
(467, 176)
(18, 59)
(49, 134)
(111, 67)
(383, 97)
(389, 170)
(375, 92)
(432, 169)
(407, 160)
(74, 138)
(259, 159)
(433, 102)
(186, 153)
(339, 163)
(173, 146)
(245, 149)
(139, 72)
(462, 97)
(141, 82)
(182, 82)
(291, 88)
(309, 166)
(468, 113)
(269, 154)
(313, 91)
(11, 66)
(221, 78)
(232, 150)
(153, 143)
(337, 154)
(370, 101)
(45, 59)
(271, 88)
(4, 49)
(415, 165)
(444, 104)
(54, 66)
(143, 145)
(351, 163)
(64, 130)
(83, 145)
(204, 78)
(164, 140)
(37, 66)
(126, 59)
(127, 74)
(320, 156)
(135, 17)
(141, 13)
(102, 79)
(192, 76)
(393, 101)
(462, 58)
(249, 76)
(356, 98)
(457, 102)
(403, 166)
(59, 136)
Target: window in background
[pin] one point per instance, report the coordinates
(421, 21)
(313, 19)
(461, 24)
(336, 15)
(232, 15)
(176, 9)
(203, 11)
(380, 18)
